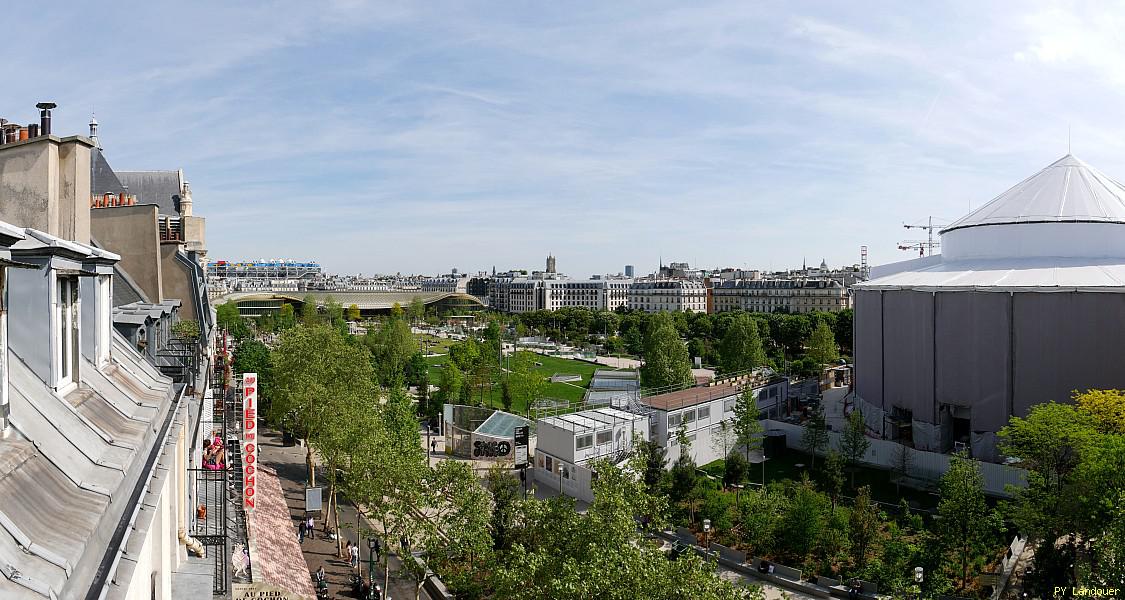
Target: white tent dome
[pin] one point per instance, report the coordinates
(1068, 209)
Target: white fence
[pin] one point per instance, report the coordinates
(923, 465)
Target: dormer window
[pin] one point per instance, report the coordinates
(66, 331)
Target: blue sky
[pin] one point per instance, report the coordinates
(420, 136)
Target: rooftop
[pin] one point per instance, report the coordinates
(1067, 190)
(590, 420)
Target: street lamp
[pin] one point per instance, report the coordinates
(707, 532)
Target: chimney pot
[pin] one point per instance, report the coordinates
(32, 131)
(23, 133)
(45, 116)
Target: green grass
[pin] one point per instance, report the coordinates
(434, 344)
(548, 366)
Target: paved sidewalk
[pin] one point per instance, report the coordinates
(321, 551)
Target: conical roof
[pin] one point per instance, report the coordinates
(1067, 190)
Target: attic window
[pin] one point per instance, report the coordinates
(67, 318)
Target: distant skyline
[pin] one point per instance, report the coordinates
(415, 137)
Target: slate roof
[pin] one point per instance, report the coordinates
(102, 177)
(161, 188)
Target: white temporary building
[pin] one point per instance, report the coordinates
(1025, 304)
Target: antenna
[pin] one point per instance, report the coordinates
(1068, 138)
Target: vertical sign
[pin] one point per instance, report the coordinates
(249, 439)
(520, 436)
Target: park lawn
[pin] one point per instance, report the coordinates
(434, 344)
(549, 365)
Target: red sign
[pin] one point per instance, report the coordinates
(249, 439)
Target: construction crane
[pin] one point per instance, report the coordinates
(924, 247)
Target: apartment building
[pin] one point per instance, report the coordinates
(671, 295)
(786, 295)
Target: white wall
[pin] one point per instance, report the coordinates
(927, 465)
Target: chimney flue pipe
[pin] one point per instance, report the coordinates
(45, 116)
(32, 130)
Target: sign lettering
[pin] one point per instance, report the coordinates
(249, 439)
(491, 449)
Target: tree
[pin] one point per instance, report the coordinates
(417, 309)
(734, 469)
(723, 438)
(229, 318)
(822, 345)
(863, 526)
(760, 516)
(741, 348)
(666, 362)
(903, 465)
(465, 354)
(186, 329)
(854, 442)
(309, 315)
(814, 439)
(843, 327)
(316, 376)
(747, 428)
(804, 520)
(393, 348)
(450, 384)
(834, 476)
(967, 525)
(286, 318)
(505, 490)
(649, 459)
(252, 356)
(525, 384)
(1105, 407)
(560, 553)
(353, 312)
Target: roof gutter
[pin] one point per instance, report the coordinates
(102, 578)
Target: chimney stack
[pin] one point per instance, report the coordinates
(3, 132)
(45, 116)
(32, 130)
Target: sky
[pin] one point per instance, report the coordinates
(417, 137)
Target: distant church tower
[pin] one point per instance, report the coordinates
(551, 264)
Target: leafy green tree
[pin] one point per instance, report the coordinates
(804, 520)
(741, 348)
(863, 526)
(760, 518)
(822, 345)
(834, 466)
(309, 314)
(465, 354)
(316, 376)
(252, 356)
(854, 442)
(451, 383)
(417, 309)
(967, 524)
(286, 318)
(814, 439)
(394, 347)
(842, 329)
(747, 428)
(560, 553)
(229, 318)
(734, 469)
(666, 362)
(266, 323)
(1106, 408)
(353, 312)
(525, 384)
(649, 459)
(506, 495)
(186, 329)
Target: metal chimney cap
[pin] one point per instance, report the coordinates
(46, 105)
(11, 127)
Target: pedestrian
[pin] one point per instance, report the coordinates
(433, 446)
(378, 549)
(405, 545)
(355, 556)
(348, 549)
(301, 531)
(310, 528)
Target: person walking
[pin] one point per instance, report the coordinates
(433, 447)
(301, 531)
(355, 556)
(310, 529)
